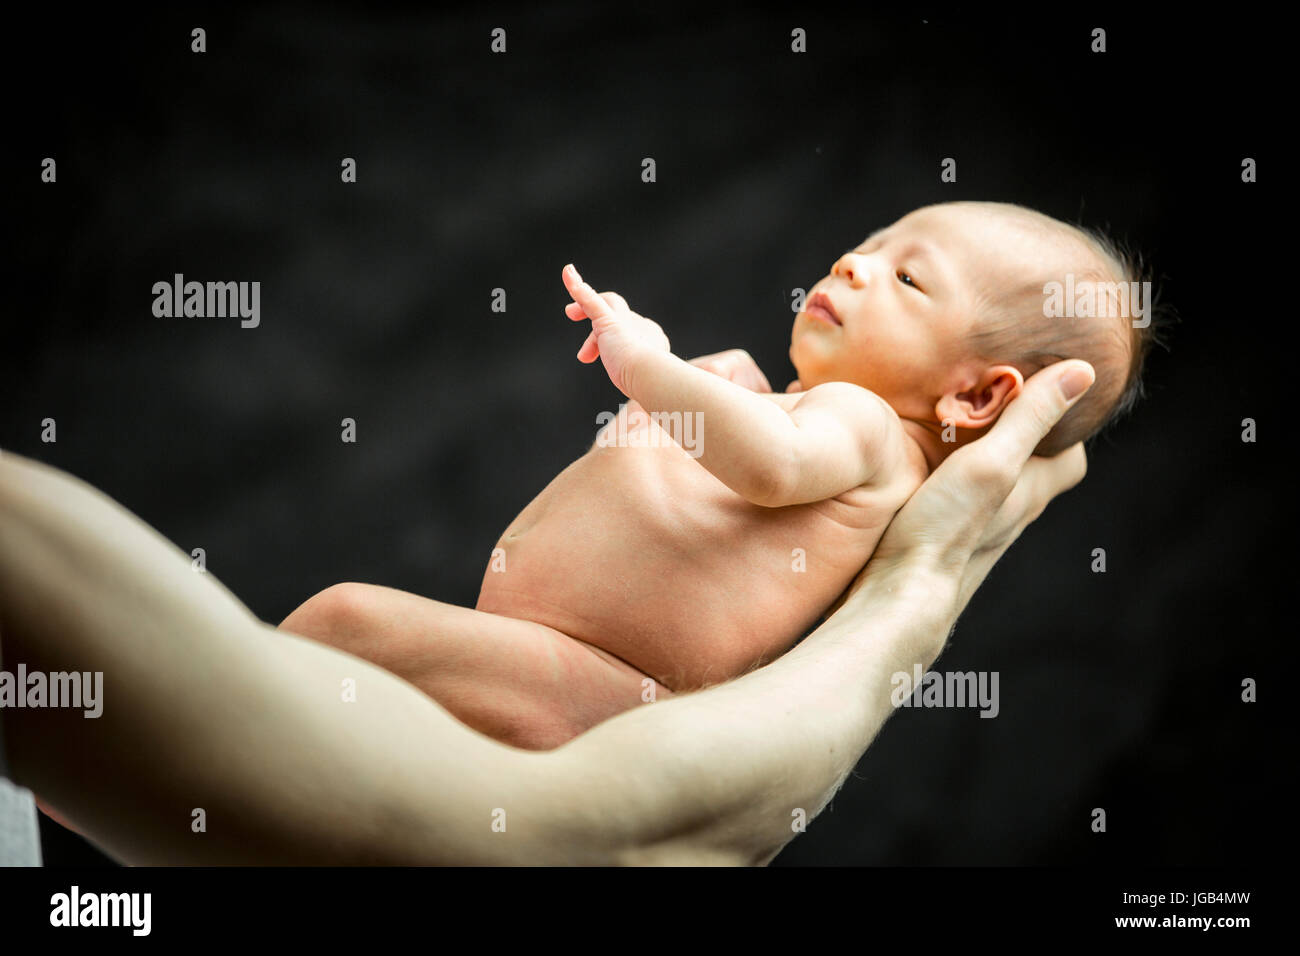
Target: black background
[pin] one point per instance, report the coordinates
(476, 171)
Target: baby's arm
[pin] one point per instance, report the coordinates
(832, 440)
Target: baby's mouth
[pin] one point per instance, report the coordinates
(820, 306)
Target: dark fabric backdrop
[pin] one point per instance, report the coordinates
(1118, 690)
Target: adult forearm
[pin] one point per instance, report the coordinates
(740, 433)
(206, 711)
(204, 706)
(728, 773)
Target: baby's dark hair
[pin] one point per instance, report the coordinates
(1012, 328)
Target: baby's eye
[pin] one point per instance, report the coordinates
(906, 279)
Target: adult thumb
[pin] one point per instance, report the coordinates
(1042, 402)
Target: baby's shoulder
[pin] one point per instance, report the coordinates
(891, 454)
(833, 395)
(874, 417)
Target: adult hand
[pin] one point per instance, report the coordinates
(978, 501)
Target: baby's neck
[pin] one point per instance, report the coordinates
(928, 439)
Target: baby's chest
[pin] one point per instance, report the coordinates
(633, 427)
(687, 427)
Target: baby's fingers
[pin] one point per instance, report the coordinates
(590, 351)
(584, 295)
(576, 312)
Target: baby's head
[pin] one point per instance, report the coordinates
(944, 314)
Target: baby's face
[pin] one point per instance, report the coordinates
(905, 300)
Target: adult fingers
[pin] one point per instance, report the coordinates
(992, 465)
(949, 517)
(1041, 481)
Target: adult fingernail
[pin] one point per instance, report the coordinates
(1075, 382)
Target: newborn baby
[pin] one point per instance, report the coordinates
(655, 565)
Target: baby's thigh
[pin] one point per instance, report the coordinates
(519, 682)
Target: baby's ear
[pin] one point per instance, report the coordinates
(979, 405)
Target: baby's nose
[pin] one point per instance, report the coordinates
(851, 267)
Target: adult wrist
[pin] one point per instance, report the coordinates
(917, 598)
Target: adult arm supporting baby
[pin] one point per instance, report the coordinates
(205, 708)
(208, 715)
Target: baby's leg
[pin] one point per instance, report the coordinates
(519, 682)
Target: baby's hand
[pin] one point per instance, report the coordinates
(618, 335)
(735, 365)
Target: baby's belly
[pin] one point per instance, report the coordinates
(641, 552)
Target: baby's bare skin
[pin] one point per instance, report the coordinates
(641, 570)
(634, 574)
(641, 552)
